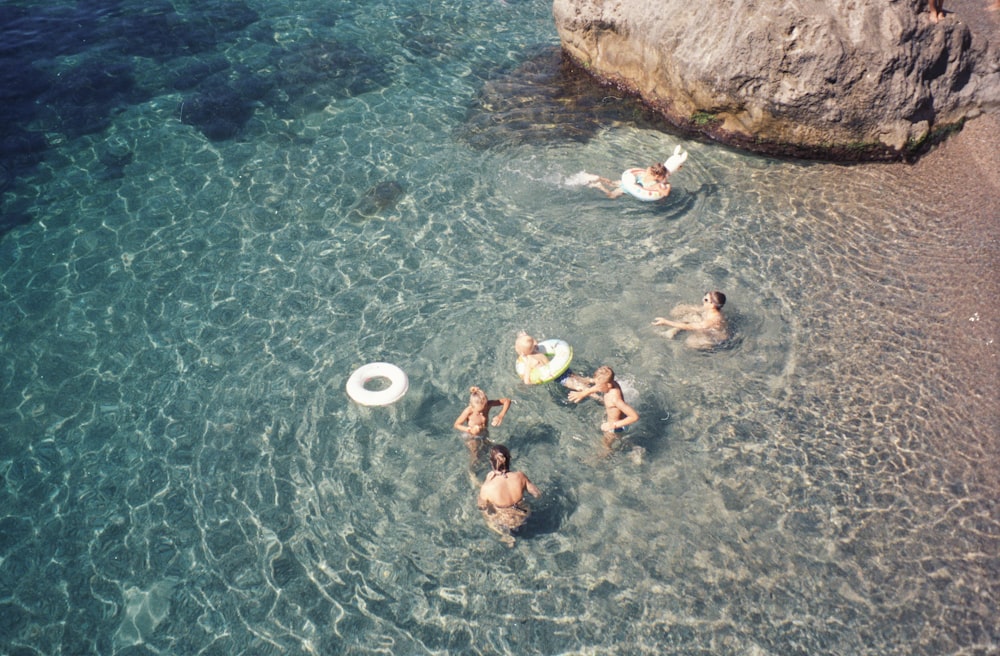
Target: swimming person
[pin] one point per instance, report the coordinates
(618, 413)
(652, 179)
(707, 324)
(649, 184)
(502, 494)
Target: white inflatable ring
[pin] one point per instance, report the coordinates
(631, 185)
(560, 355)
(398, 384)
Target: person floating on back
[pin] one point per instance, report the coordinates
(707, 324)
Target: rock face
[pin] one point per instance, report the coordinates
(841, 79)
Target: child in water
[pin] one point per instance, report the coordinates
(526, 348)
(476, 415)
(654, 178)
(474, 419)
(529, 359)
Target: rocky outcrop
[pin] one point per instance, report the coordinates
(843, 79)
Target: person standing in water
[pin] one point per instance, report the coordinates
(707, 324)
(474, 419)
(476, 415)
(618, 413)
(502, 494)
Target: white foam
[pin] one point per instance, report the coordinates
(581, 179)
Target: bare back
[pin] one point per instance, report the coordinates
(505, 490)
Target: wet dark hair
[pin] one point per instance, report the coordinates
(604, 373)
(500, 458)
(659, 170)
(718, 298)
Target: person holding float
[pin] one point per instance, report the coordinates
(542, 362)
(648, 184)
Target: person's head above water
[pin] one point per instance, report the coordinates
(717, 299)
(525, 344)
(604, 375)
(500, 458)
(660, 171)
(477, 398)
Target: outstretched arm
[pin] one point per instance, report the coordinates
(680, 325)
(579, 395)
(505, 402)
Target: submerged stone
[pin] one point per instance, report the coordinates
(546, 99)
(378, 199)
(220, 112)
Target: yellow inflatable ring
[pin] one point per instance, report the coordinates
(560, 355)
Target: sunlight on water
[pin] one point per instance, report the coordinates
(187, 296)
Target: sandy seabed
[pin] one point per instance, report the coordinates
(962, 177)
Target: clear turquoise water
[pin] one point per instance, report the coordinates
(181, 305)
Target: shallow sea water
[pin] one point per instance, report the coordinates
(181, 304)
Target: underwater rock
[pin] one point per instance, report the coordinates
(377, 200)
(89, 94)
(188, 74)
(115, 154)
(154, 29)
(220, 112)
(310, 74)
(545, 99)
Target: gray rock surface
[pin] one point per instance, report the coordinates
(847, 79)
